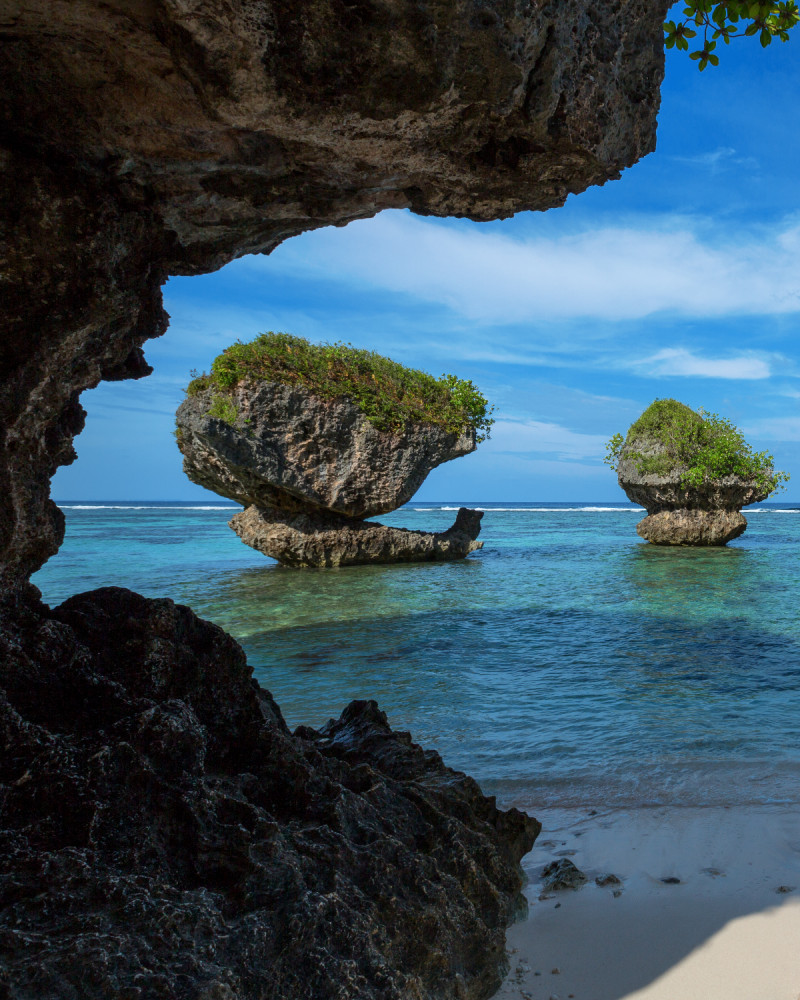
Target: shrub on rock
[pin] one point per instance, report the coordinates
(312, 439)
(693, 472)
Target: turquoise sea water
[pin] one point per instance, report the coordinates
(565, 663)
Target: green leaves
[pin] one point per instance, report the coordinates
(223, 408)
(722, 20)
(389, 394)
(614, 451)
(703, 446)
(706, 56)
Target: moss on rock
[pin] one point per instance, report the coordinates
(389, 394)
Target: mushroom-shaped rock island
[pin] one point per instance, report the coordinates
(314, 439)
(692, 472)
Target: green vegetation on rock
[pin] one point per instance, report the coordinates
(726, 21)
(223, 408)
(389, 394)
(703, 446)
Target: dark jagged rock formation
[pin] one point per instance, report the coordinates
(165, 835)
(157, 820)
(309, 470)
(327, 540)
(684, 515)
(154, 138)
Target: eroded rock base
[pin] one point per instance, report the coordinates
(692, 527)
(323, 539)
(163, 833)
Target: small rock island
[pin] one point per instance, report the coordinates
(314, 439)
(693, 472)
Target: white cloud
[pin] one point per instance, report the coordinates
(612, 273)
(678, 361)
(539, 437)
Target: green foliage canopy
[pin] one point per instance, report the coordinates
(703, 445)
(389, 394)
(727, 21)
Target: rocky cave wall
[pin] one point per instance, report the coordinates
(142, 138)
(189, 845)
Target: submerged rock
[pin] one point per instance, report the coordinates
(163, 833)
(318, 539)
(654, 468)
(563, 874)
(309, 470)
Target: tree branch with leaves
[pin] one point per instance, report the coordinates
(727, 21)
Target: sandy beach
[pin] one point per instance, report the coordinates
(729, 929)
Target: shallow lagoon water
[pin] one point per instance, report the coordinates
(565, 663)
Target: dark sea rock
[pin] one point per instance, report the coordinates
(321, 539)
(164, 834)
(563, 874)
(681, 515)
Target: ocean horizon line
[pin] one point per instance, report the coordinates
(444, 504)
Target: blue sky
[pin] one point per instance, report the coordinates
(680, 279)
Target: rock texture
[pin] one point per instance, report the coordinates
(162, 834)
(562, 874)
(165, 835)
(692, 527)
(158, 137)
(322, 540)
(309, 470)
(294, 451)
(678, 515)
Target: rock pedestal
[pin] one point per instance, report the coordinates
(692, 527)
(685, 515)
(310, 470)
(325, 540)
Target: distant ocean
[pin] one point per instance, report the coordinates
(565, 663)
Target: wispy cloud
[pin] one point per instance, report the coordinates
(717, 159)
(681, 362)
(676, 266)
(542, 438)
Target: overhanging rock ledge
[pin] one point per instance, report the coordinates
(154, 137)
(144, 781)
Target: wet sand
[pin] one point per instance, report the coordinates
(723, 931)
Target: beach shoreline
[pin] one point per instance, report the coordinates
(708, 907)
